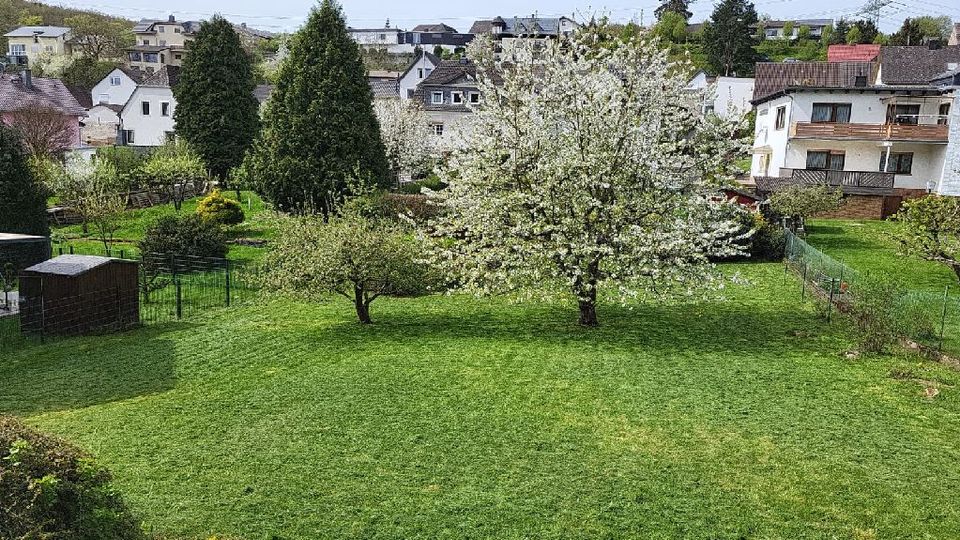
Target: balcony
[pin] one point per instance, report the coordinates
(849, 182)
(934, 132)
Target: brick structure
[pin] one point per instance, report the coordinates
(859, 207)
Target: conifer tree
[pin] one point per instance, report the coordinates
(217, 112)
(23, 200)
(320, 133)
(728, 40)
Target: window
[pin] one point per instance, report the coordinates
(831, 160)
(383, 37)
(781, 120)
(176, 30)
(128, 136)
(115, 80)
(903, 114)
(177, 56)
(900, 162)
(146, 42)
(437, 129)
(163, 43)
(145, 108)
(163, 58)
(474, 97)
(151, 57)
(18, 50)
(419, 73)
(160, 29)
(436, 98)
(456, 98)
(164, 108)
(48, 48)
(944, 114)
(834, 113)
(103, 98)
(134, 57)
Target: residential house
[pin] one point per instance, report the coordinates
(117, 87)
(22, 93)
(147, 117)
(447, 95)
(726, 97)
(419, 69)
(27, 43)
(776, 29)
(853, 53)
(878, 130)
(532, 27)
(384, 84)
(160, 43)
(99, 126)
(251, 37)
(425, 36)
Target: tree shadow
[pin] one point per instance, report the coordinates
(80, 372)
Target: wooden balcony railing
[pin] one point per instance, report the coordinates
(850, 182)
(870, 132)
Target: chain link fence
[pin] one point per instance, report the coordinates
(931, 318)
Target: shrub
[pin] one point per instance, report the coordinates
(799, 202)
(769, 240)
(219, 209)
(876, 313)
(431, 182)
(51, 489)
(184, 236)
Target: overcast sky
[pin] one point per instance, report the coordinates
(285, 15)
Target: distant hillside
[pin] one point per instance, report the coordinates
(13, 12)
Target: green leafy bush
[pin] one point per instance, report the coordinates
(219, 209)
(876, 313)
(51, 489)
(184, 236)
(768, 241)
(431, 182)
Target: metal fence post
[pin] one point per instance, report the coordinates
(227, 270)
(943, 317)
(830, 303)
(71, 249)
(176, 283)
(803, 283)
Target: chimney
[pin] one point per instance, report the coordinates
(243, 25)
(172, 19)
(26, 76)
(934, 44)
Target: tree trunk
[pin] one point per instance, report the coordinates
(588, 312)
(586, 290)
(956, 269)
(363, 308)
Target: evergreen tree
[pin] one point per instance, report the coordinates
(839, 34)
(867, 29)
(320, 133)
(217, 113)
(23, 200)
(728, 40)
(681, 7)
(909, 34)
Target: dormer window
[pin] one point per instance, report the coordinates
(474, 98)
(456, 98)
(436, 98)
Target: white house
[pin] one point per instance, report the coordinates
(727, 97)
(872, 128)
(147, 117)
(422, 66)
(117, 87)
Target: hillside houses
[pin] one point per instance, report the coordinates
(37, 105)
(27, 43)
(881, 130)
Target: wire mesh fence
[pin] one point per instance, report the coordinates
(929, 318)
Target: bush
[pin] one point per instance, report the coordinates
(431, 182)
(876, 313)
(51, 489)
(184, 236)
(769, 241)
(219, 209)
(799, 202)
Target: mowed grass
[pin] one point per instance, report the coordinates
(453, 417)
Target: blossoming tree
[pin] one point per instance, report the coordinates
(588, 170)
(406, 135)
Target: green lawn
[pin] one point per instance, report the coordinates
(461, 418)
(133, 225)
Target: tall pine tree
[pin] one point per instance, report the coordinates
(320, 133)
(681, 7)
(23, 200)
(728, 40)
(217, 112)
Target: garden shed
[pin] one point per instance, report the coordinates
(23, 250)
(79, 294)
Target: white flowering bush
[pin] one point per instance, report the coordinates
(407, 138)
(588, 169)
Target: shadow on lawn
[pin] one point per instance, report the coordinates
(80, 372)
(668, 328)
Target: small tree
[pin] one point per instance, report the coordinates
(854, 36)
(45, 132)
(803, 33)
(93, 191)
(930, 228)
(357, 258)
(170, 239)
(23, 199)
(788, 29)
(99, 37)
(219, 209)
(671, 27)
(174, 169)
(799, 202)
(728, 40)
(405, 131)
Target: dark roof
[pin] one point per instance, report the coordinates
(447, 73)
(166, 76)
(481, 27)
(774, 77)
(47, 93)
(133, 73)
(384, 88)
(262, 92)
(145, 24)
(70, 265)
(435, 28)
(796, 23)
(82, 95)
(915, 65)
(42, 31)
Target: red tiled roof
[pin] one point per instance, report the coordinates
(46, 93)
(852, 53)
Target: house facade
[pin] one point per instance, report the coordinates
(726, 97)
(447, 95)
(419, 69)
(117, 87)
(504, 29)
(22, 93)
(160, 43)
(397, 41)
(147, 117)
(773, 29)
(874, 129)
(27, 43)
